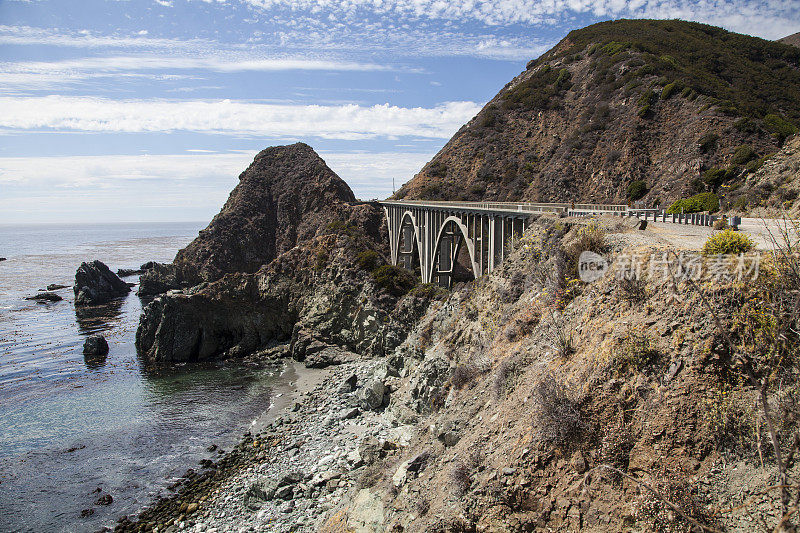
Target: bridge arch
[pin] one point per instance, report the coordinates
(417, 239)
(456, 221)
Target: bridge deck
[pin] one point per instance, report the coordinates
(508, 208)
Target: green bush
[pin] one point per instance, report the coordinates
(714, 177)
(437, 169)
(779, 127)
(707, 142)
(394, 279)
(429, 291)
(538, 91)
(670, 89)
(727, 242)
(743, 154)
(636, 189)
(368, 260)
(705, 201)
(755, 164)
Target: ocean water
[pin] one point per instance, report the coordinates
(73, 429)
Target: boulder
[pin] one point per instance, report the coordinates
(259, 492)
(45, 297)
(95, 345)
(2, 258)
(56, 286)
(96, 284)
(125, 272)
(371, 396)
(328, 356)
(158, 279)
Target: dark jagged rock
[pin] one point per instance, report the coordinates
(95, 345)
(96, 284)
(337, 308)
(287, 195)
(148, 266)
(56, 286)
(2, 258)
(158, 279)
(45, 297)
(125, 272)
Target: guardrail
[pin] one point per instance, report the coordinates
(694, 219)
(523, 207)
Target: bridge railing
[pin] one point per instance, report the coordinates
(523, 207)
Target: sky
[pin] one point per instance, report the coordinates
(148, 110)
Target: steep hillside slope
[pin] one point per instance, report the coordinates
(793, 39)
(774, 189)
(625, 110)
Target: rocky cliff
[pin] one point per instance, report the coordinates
(287, 195)
(286, 268)
(626, 110)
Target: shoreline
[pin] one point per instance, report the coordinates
(290, 472)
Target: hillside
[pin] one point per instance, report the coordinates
(625, 110)
(793, 39)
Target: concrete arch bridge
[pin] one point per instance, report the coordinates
(455, 241)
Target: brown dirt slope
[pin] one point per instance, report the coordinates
(661, 102)
(525, 390)
(775, 188)
(793, 39)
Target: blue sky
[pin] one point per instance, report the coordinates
(126, 110)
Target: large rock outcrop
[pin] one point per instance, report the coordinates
(96, 284)
(277, 270)
(287, 195)
(313, 301)
(625, 110)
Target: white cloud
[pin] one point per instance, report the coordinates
(770, 19)
(62, 113)
(45, 74)
(163, 187)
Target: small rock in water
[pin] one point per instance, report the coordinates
(86, 513)
(96, 284)
(105, 499)
(56, 286)
(2, 258)
(45, 297)
(95, 345)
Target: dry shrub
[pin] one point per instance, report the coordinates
(523, 325)
(560, 334)
(464, 374)
(556, 416)
(506, 372)
(421, 506)
(461, 479)
(636, 351)
(633, 289)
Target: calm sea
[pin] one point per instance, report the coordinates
(68, 426)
